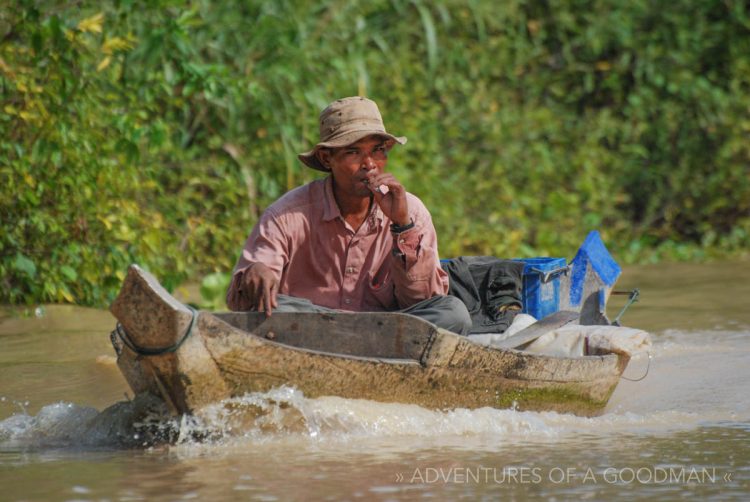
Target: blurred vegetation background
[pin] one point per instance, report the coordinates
(157, 131)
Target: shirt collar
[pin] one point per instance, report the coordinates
(330, 208)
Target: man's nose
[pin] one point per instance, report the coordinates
(368, 162)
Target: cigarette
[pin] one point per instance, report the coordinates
(381, 189)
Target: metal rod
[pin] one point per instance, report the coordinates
(631, 300)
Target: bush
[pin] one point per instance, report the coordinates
(156, 132)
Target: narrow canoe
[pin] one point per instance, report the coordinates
(194, 358)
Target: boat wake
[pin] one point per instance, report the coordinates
(284, 413)
(695, 379)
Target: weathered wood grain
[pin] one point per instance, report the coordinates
(379, 356)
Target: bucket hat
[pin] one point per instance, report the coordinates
(346, 121)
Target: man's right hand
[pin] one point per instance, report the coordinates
(260, 286)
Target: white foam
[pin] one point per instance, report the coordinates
(57, 424)
(694, 379)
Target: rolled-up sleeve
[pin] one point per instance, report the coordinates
(266, 244)
(415, 263)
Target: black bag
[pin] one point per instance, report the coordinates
(489, 287)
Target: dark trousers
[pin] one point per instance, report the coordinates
(447, 312)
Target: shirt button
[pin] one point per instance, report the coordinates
(347, 301)
(349, 270)
(401, 241)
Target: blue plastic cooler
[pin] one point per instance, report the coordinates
(541, 285)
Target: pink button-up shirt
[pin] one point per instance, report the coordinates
(317, 255)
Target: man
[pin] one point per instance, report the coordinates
(355, 240)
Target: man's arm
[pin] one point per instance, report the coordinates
(415, 265)
(255, 280)
(254, 288)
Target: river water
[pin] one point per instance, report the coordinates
(682, 431)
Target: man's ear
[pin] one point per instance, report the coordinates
(324, 156)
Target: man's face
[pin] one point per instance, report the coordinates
(351, 164)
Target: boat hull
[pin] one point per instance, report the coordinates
(385, 357)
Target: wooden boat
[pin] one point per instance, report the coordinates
(194, 358)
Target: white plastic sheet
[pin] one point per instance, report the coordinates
(576, 340)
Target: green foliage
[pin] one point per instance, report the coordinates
(155, 132)
(213, 290)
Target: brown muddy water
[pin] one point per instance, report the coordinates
(682, 431)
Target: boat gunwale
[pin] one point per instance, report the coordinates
(263, 339)
(611, 358)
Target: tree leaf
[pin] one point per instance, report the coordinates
(25, 265)
(69, 273)
(92, 24)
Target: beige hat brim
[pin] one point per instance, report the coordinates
(310, 159)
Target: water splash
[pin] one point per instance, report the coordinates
(67, 425)
(285, 413)
(681, 392)
(55, 425)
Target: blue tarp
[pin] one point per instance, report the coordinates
(592, 253)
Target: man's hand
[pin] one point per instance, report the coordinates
(391, 201)
(260, 286)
